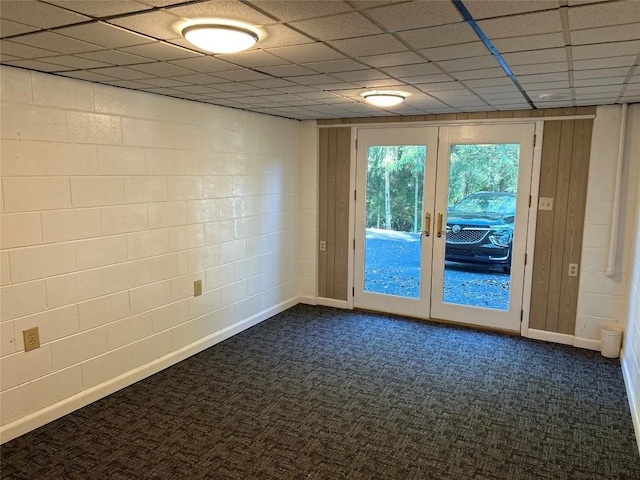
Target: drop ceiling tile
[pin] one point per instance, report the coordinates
(105, 35)
(41, 66)
(7, 58)
(23, 51)
(344, 65)
(161, 51)
(280, 36)
(439, 36)
(526, 24)
(122, 73)
(162, 91)
(595, 82)
(615, 49)
(161, 69)
(114, 57)
(242, 75)
(480, 73)
(421, 79)
(296, 89)
(363, 46)
(540, 68)
(488, 82)
(127, 84)
(412, 70)
(412, 15)
(602, 89)
(604, 14)
(311, 52)
(316, 95)
(272, 83)
(39, 14)
(529, 42)
(382, 83)
(57, 43)
(199, 79)
(618, 33)
(253, 58)
(532, 88)
(453, 52)
(438, 86)
(87, 76)
(75, 62)
(222, 9)
(205, 64)
(502, 97)
(504, 89)
(292, 11)
(198, 89)
(338, 27)
(233, 87)
(261, 92)
(496, 8)
(600, 73)
(361, 75)
(286, 70)
(162, 82)
(158, 24)
(486, 61)
(613, 62)
(94, 8)
(536, 56)
(391, 59)
(544, 77)
(337, 86)
(8, 28)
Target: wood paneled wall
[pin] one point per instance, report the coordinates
(563, 177)
(334, 162)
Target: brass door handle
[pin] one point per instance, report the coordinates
(427, 224)
(439, 225)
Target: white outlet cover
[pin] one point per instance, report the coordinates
(545, 203)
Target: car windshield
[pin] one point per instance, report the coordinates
(486, 204)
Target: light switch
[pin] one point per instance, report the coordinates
(545, 203)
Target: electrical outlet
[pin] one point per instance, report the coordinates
(197, 288)
(573, 269)
(545, 203)
(323, 245)
(31, 338)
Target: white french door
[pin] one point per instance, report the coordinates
(441, 222)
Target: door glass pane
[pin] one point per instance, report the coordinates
(481, 209)
(395, 183)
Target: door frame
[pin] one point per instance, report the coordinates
(533, 208)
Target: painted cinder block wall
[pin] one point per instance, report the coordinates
(113, 203)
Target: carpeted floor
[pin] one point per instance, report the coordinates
(319, 393)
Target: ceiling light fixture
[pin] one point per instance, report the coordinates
(384, 99)
(551, 96)
(218, 38)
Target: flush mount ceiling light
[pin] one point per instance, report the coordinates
(554, 96)
(218, 38)
(384, 99)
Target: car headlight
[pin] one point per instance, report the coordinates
(501, 238)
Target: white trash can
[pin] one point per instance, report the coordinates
(610, 340)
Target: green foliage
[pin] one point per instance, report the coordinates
(482, 168)
(395, 180)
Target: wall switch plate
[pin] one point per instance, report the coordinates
(31, 338)
(197, 288)
(545, 203)
(323, 245)
(573, 269)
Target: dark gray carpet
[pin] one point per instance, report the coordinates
(319, 393)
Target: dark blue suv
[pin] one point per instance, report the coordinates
(480, 229)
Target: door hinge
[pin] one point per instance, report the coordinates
(521, 315)
(529, 200)
(356, 143)
(355, 194)
(353, 291)
(526, 255)
(354, 243)
(535, 139)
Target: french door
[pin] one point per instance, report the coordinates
(441, 222)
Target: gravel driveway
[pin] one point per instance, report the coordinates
(392, 261)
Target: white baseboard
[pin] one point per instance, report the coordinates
(587, 343)
(550, 336)
(633, 401)
(564, 339)
(330, 302)
(308, 299)
(53, 412)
